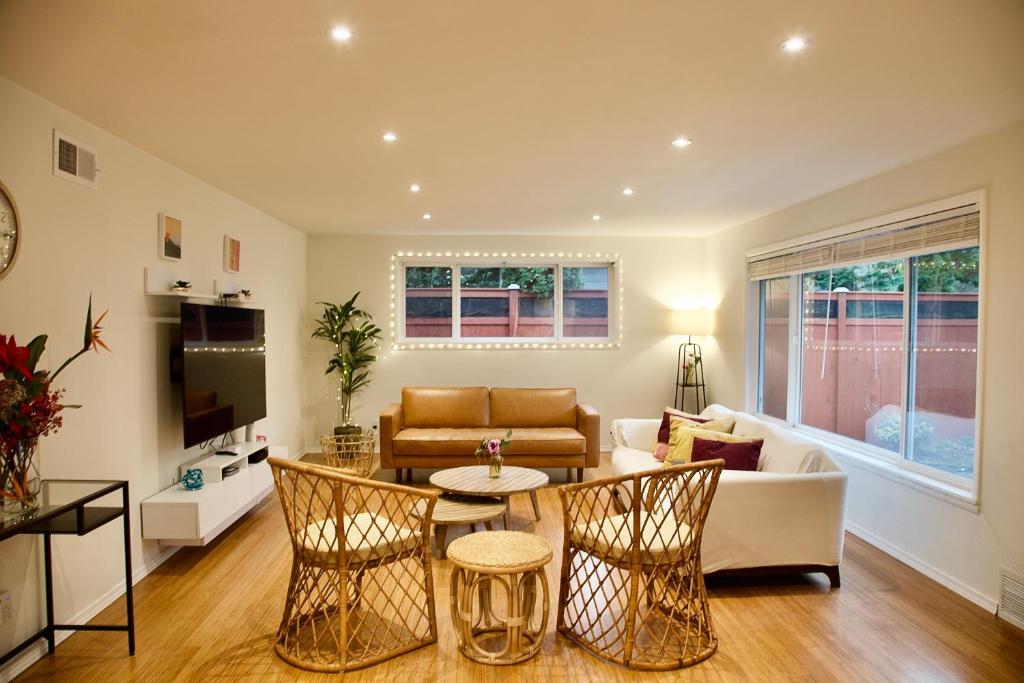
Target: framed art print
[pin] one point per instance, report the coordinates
(170, 237)
(232, 254)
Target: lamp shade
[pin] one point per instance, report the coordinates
(695, 322)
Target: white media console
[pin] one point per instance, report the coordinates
(176, 516)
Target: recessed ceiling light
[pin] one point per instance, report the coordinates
(628, 191)
(415, 187)
(389, 137)
(341, 34)
(426, 216)
(682, 142)
(596, 217)
(794, 44)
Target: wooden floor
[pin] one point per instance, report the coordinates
(210, 614)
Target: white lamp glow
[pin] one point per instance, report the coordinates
(794, 44)
(693, 322)
(341, 34)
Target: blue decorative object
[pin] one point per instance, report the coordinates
(193, 479)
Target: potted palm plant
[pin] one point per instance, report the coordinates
(356, 340)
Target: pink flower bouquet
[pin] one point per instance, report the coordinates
(494, 449)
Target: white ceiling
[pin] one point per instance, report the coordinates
(526, 116)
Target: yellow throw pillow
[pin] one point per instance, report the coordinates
(721, 424)
(680, 444)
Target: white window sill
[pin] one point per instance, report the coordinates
(933, 487)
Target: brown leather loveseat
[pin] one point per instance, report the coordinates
(437, 427)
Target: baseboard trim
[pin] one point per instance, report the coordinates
(33, 654)
(916, 563)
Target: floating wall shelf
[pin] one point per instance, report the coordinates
(158, 282)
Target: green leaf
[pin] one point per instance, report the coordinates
(88, 325)
(35, 350)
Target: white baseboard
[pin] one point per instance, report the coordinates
(33, 654)
(955, 585)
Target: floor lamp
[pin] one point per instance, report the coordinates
(694, 322)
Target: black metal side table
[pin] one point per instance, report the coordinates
(64, 508)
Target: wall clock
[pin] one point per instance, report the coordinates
(10, 231)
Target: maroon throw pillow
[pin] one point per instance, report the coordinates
(665, 428)
(737, 456)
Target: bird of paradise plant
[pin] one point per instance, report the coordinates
(30, 408)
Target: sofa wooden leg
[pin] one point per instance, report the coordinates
(408, 475)
(579, 474)
(398, 475)
(568, 475)
(833, 576)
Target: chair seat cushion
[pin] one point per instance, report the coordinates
(367, 537)
(612, 537)
(446, 442)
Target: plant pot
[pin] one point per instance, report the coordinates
(345, 430)
(19, 479)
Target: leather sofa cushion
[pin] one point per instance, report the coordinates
(444, 407)
(447, 442)
(533, 408)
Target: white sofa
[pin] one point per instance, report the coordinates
(787, 517)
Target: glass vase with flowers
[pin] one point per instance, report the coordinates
(30, 408)
(493, 450)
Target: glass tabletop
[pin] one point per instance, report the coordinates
(57, 496)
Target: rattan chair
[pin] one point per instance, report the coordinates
(369, 599)
(350, 451)
(631, 588)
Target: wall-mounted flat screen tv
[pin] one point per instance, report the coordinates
(223, 369)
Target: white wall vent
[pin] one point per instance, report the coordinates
(1011, 599)
(73, 160)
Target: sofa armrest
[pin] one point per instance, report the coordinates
(390, 425)
(638, 433)
(588, 423)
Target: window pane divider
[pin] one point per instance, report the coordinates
(907, 380)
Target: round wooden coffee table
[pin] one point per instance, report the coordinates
(452, 509)
(473, 481)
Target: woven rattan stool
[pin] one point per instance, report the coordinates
(513, 563)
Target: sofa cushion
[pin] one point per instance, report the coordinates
(439, 407)
(447, 442)
(724, 425)
(533, 408)
(681, 442)
(737, 456)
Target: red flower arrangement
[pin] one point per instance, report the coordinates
(30, 405)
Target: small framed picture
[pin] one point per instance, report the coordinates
(169, 233)
(232, 254)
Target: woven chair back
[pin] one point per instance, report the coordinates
(361, 588)
(632, 589)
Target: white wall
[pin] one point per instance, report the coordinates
(77, 240)
(634, 380)
(963, 548)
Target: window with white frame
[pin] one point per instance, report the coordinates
(870, 339)
(493, 301)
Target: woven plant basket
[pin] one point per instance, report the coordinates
(353, 452)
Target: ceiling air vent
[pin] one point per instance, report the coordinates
(73, 160)
(1011, 599)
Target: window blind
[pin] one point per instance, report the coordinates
(953, 229)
